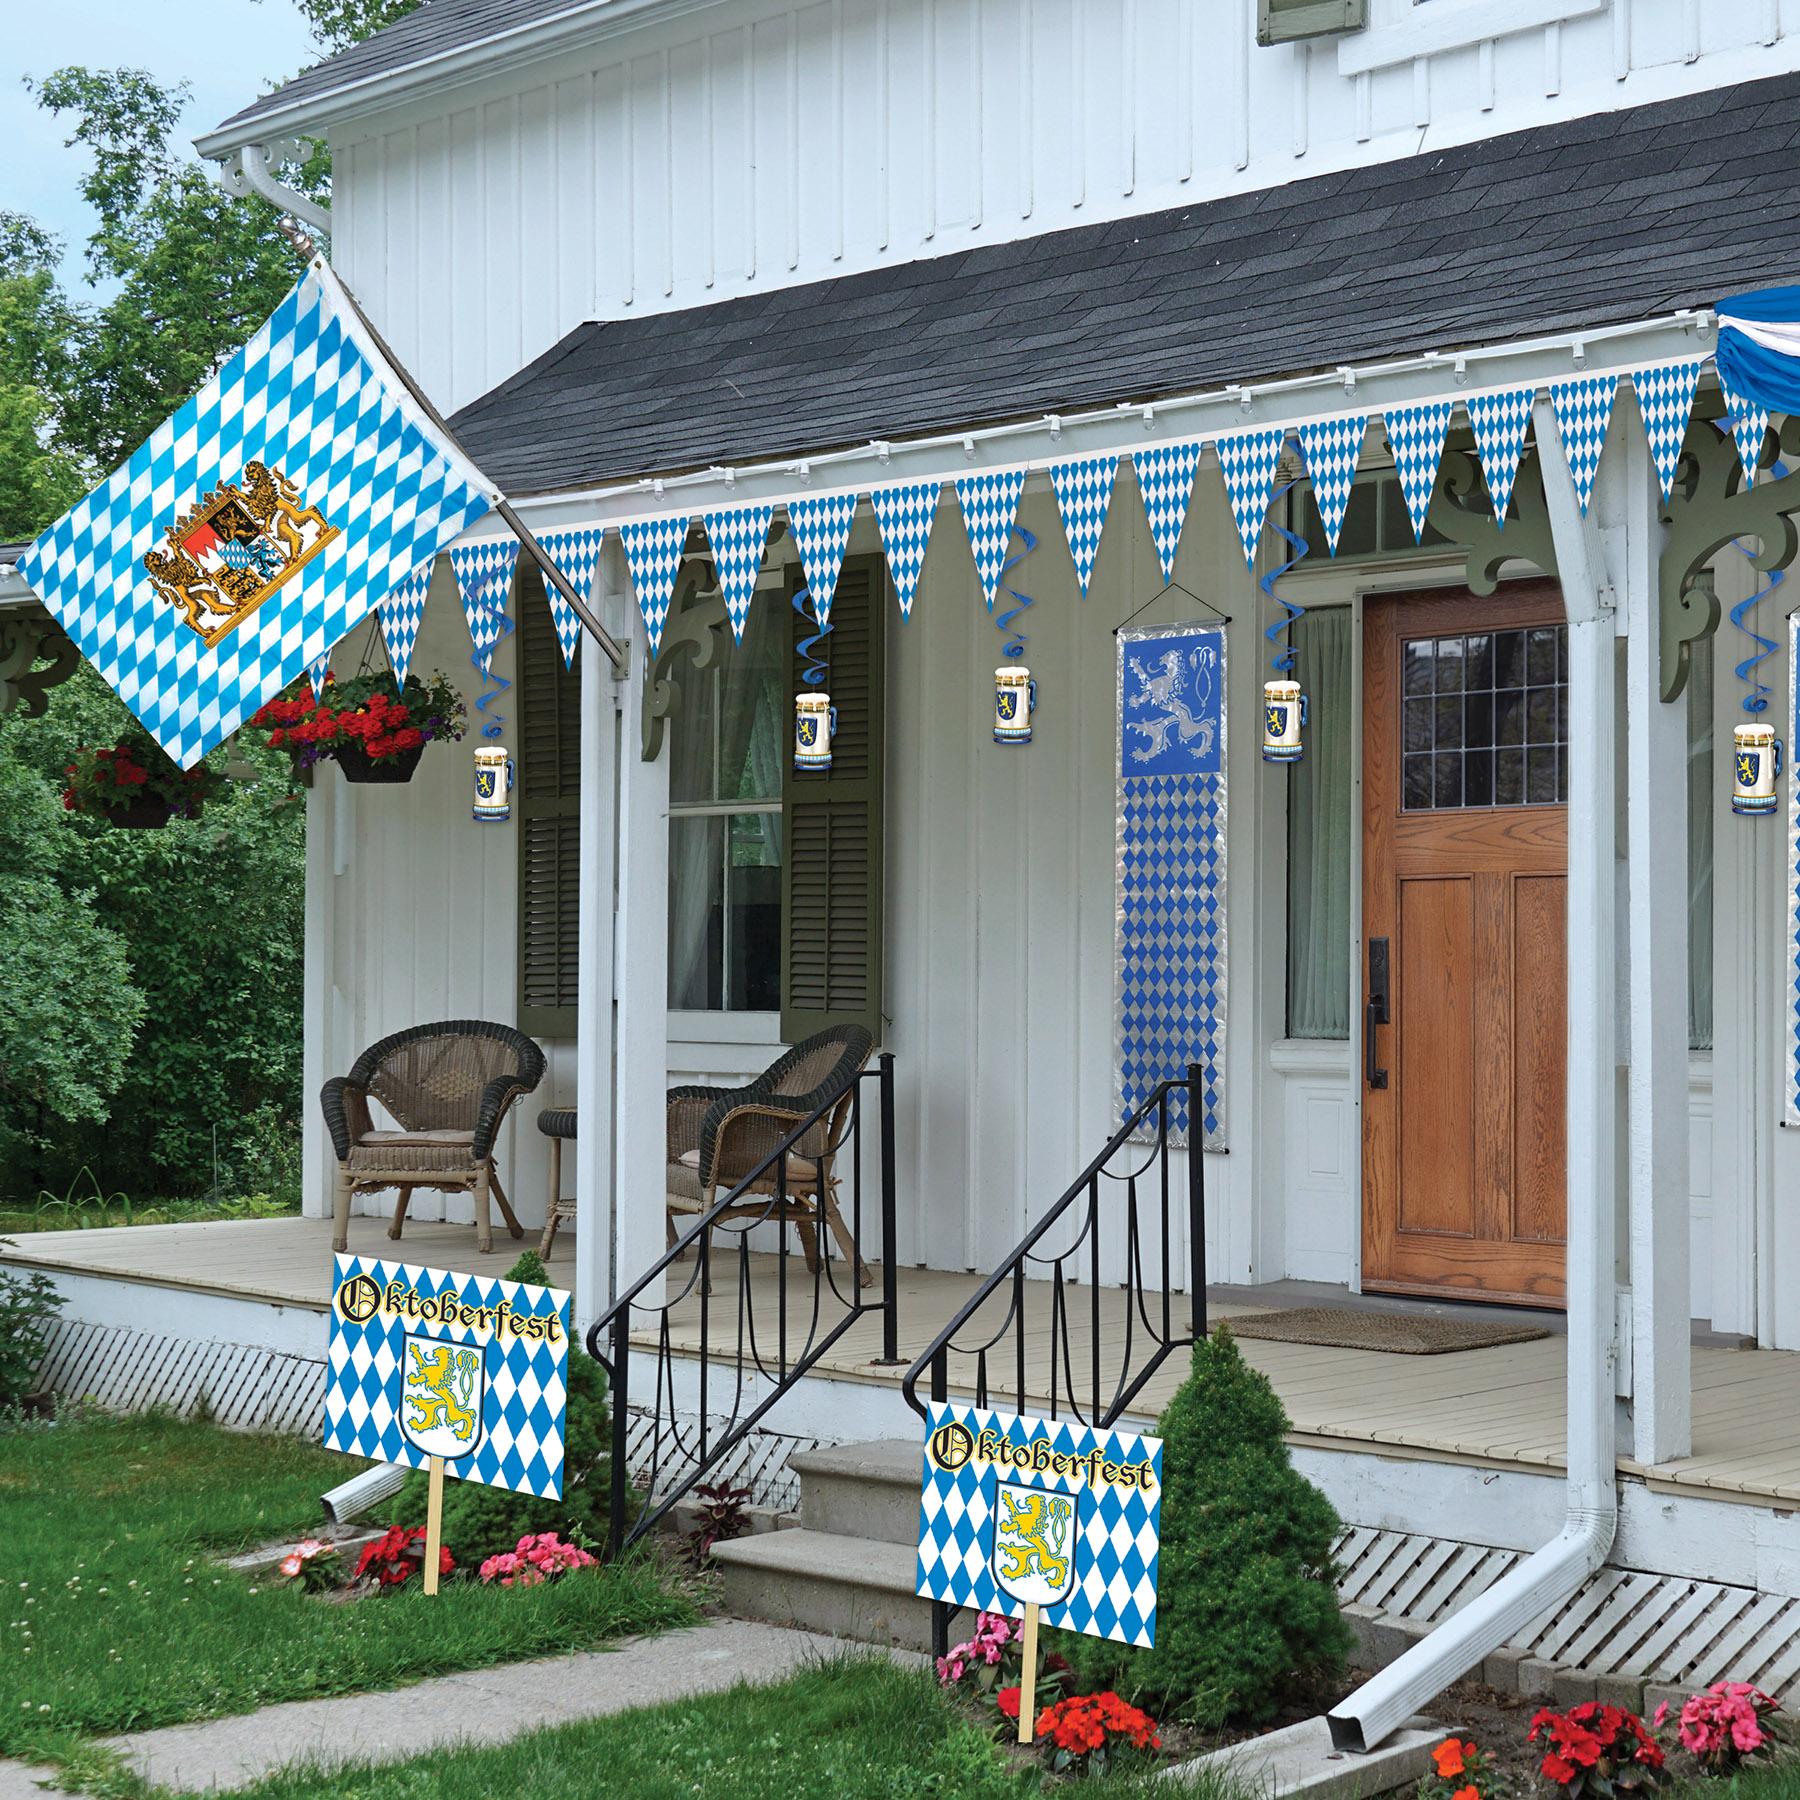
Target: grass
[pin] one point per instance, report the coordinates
(113, 1616)
(58, 1212)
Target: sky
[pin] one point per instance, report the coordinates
(227, 50)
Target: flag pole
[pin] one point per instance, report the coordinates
(504, 507)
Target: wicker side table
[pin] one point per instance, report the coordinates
(556, 1123)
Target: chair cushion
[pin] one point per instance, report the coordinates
(434, 1151)
(683, 1177)
(557, 1121)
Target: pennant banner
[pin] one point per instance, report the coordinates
(821, 528)
(1665, 397)
(402, 613)
(1500, 422)
(1166, 480)
(1584, 407)
(653, 550)
(576, 553)
(1749, 426)
(1331, 447)
(1248, 460)
(484, 578)
(904, 515)
(989, 505)
(738, 538)
(256, 527)
(1415, 435)
(1083, 494)
(316, 675)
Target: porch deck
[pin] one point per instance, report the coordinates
(1501, 1407)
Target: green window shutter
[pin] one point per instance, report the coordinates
(831, 925)
(1288, 21)
(547, 799)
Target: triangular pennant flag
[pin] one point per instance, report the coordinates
(1165, 478)
(904, 513)
(1331, 447)
(575, 553)
(738, 538)
(402, 613)
(653, 554)
(1083, 493)
(1584, 406)
(1749, 426)
(484, 576)
(821, 528)
(1415, 435)
(989, 505)
(1500, 421)
(1248, 460)
(1665, 397)
(316, 674)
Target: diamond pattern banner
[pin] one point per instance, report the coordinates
(423, 1362)
(1500, 421)
(990, 503)
(1665, 397)
(1171, 862)
(1016, 1511)
(738, 538)
(316, 675)
(821, 528)
(653, 554)
(402, 613)
(1584, 406)
(1166, 480)
(904, 514)
(577, 554)
(1248, 459)
(1749, 426)
(1331, 447)
(1415, 435)
(484, 578)
(256, 527)
(1083, 493)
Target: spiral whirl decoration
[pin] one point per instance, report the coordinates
(1282, 662)
(493, 724)
(1003, 621)
(816, 669)
(1757, 700)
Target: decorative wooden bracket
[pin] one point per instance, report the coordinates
(1462, 512)
(694, 628)
(27, 639)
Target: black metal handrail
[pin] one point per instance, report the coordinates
(692, 1452)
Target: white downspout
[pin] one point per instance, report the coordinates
(250, 169)
(1550, 1575)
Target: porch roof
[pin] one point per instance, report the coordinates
(1604, 220)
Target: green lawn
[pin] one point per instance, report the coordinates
(114, 1617)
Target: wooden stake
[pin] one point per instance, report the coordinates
(434, 1531)
(1028, 1677)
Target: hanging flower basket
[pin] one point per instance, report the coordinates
(372, 728)
(134, 786)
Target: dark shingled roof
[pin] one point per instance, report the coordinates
(1601, 220)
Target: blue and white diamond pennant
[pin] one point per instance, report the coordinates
(1665, 397)
(989, 505)
(1083, 493)
(484, 578)
(904, 513)
(316, 675)
(1165, 478)
(1331, 447)
(1749, 426)
(653, 554)
(402, 613)
(1584, 406)
(738, 537)
(575, 553)
(1247, 460)
(821, 528)
(1500, 421)
(1415, 435)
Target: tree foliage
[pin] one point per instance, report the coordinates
(337, 24)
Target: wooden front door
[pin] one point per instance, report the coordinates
(1465, 858)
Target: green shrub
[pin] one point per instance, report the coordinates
(28, 1306)
(480, 1522)
(1245, 1595)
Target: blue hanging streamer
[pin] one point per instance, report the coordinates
(1003, 622)
(816, 669)
(1757, 700)
(1282, 662)
(493, 725)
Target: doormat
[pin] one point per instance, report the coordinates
(1400, 1334)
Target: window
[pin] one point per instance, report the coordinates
(1376, 522)
(1284, 21)
(1318, 834)
(729, 743)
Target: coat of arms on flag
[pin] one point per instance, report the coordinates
(445, 1384)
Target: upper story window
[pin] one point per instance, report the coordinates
(1286, 21)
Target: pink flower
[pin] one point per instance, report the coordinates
(292, 1563)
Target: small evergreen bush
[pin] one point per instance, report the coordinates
(1245, 1595)
(480, 1522)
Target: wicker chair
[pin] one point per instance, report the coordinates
(448, 1087)
(718, 1136)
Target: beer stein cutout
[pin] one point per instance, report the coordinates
(493, 785)
(815, 725)
(1284, 712)
(1755, 765)
(1015, 700)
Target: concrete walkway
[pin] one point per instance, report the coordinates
(483, 1706)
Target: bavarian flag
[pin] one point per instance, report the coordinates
(256, 527)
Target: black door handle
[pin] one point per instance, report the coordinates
(1375, 1012)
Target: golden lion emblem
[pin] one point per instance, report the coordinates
(1039, 1530)
(444, 1378)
